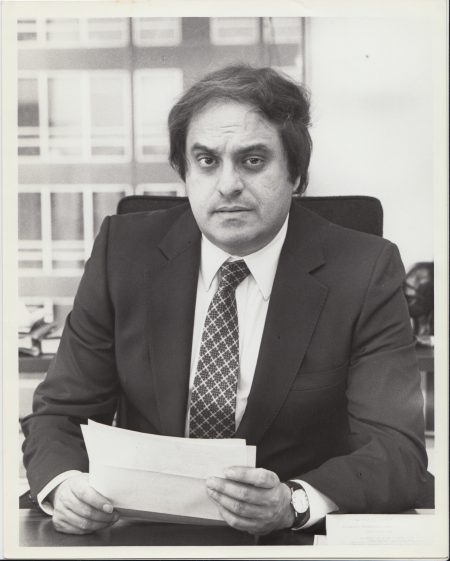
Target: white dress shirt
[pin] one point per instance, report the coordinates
(252, 301)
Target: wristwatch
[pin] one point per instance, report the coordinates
(299, 503)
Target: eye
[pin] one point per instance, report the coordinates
(254, 162)
(206, 161)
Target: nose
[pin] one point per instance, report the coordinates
(229, 182)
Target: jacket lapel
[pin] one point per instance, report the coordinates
(295, 304)
(171, 306)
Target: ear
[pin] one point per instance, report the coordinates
(296, 184)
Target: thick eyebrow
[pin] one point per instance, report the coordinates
(257, 147)
(197, 147)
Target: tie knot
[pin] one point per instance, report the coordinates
(233, 273)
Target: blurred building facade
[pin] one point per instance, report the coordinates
(93, 100)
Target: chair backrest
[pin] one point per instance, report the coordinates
(357, 212)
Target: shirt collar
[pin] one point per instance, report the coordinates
(262, 263)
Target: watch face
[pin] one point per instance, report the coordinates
(300, 501)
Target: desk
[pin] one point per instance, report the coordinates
(36, 530)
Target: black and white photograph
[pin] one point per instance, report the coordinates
(225, 279)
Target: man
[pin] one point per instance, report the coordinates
(307, 352)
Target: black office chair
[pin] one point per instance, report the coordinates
(357, 212)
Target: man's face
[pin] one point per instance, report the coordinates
(237, 178)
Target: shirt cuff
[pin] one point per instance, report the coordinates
(319, 504)
(43, 502)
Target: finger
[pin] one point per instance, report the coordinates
(75, 505)
(258, 477)
(243, 524)
(91, 497)
(237, 507)
(238, 491)
(68, 518)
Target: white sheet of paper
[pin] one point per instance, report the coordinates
(380, 529)
(156, 475)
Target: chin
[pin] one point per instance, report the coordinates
(240, 247)
(236, 237)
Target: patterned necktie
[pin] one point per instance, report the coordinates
(213, 398)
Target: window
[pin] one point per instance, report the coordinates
(74, 116)
(156, 32)
(58, 224)
(28, 32)
(62, 32)
(234, 31)
(105, 32)
(73, 33)
(65, 127)
(110, 119)
(29, 141)
(30, 231)
(67, 229)
(282, 30)
(155, 92)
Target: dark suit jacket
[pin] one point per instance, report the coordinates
(336, 395)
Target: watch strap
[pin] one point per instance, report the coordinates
(300, 518)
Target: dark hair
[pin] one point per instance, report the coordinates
(281, 100)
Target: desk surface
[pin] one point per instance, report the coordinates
(36, 529)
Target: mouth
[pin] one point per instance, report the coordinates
(232, 209)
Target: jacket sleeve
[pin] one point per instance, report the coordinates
(386, 467)
(81, 382)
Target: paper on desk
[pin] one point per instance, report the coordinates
(148, 475)
(380, 529)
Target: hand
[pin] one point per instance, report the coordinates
(79, 508)
(252, 499)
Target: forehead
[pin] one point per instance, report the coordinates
(229, 121)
